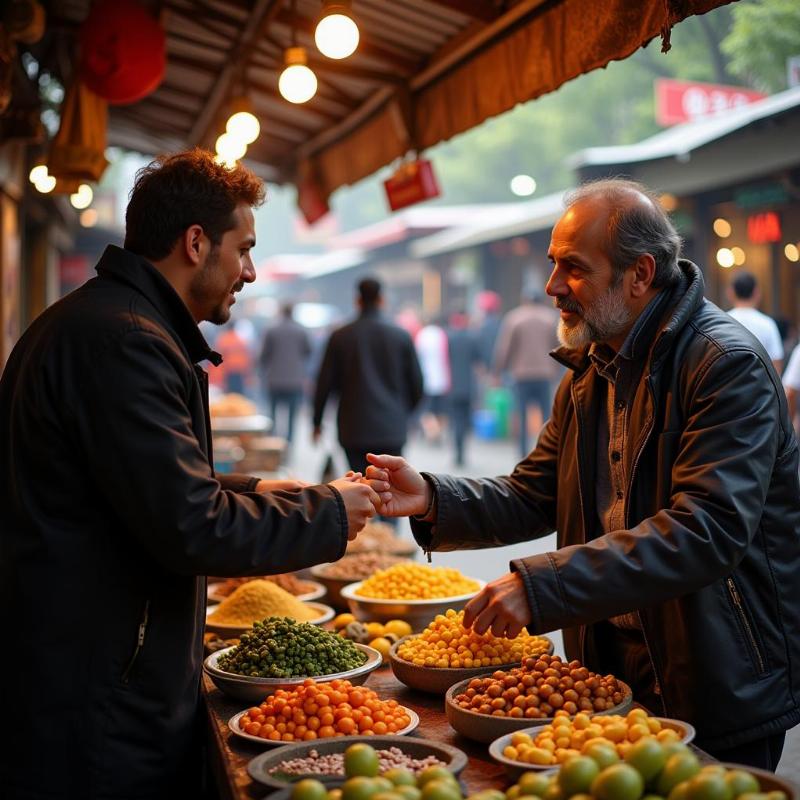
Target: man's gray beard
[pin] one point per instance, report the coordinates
(605, 318)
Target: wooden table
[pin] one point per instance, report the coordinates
(230, 754)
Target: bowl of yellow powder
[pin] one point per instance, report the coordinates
(256, 600)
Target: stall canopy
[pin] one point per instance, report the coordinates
(425, 70)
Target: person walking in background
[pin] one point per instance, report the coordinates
(285, 352)
(236, 360)
(464, 357)
(489, 305)
(745, 296)
(431, 345)
(527, 335)
(791, 383)
(371, 365)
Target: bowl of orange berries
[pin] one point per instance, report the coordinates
(488, 706)
(606, 738)
(314, 710)
(446, 653)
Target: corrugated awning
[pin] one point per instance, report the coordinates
(425, 71)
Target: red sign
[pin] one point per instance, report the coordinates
(684, 101)
(764, 228)
(311, 200)
(73, 270)
(413, 182)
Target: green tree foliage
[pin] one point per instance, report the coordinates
(765, 33)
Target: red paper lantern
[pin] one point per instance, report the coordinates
(123, 52)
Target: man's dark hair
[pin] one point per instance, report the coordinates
(369, 292)
(287, 309)
(743, 285)
(636, 226)
(176, 191)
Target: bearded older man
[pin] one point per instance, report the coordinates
(668, 468)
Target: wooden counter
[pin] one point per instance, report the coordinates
(229, 754)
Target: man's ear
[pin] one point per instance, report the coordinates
(194, 243)
(643, 273)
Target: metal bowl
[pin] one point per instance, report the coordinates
(254, 690)
(417, 613)
(515, 768)
(437, 680)
(335, 585)
(486, 728)
(326, 614)
(259, 768)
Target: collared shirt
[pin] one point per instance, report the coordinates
(622, 372)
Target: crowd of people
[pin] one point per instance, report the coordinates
(667, 467)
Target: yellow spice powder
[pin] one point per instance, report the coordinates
(256, 600)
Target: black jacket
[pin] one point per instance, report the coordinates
(710, 555)
(372, 366)
(109, 513)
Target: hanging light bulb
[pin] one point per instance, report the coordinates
(336, 34)
(230, 149)
(38, 173)
(83, 197)
(243, 124)
(46, 184)
(297, 83)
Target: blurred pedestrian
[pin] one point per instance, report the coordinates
(371, 365)
(489, 306)
(745, 295)
(791, 383)
(464, 357)
(527, 336)
(284, 356)
(432, 352)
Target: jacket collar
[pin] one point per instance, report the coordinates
(137, 272)
(685, 299)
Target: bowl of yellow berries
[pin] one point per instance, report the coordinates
(409, 591)
(446, 652)
(605, 738)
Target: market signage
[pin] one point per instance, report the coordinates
(764, 228)
(686, 101)
(413, 182)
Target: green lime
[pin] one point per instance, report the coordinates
(678, 768)
(359, 788)
(400, 777)
(671, 748)
(334, 794)
(553, 792)
(383, 785)
(361, 759)
(647, 756)
(488, 794)
(740, 782)
(680, 791)
(387, 796)
(776, 794)
(434, 774)
(441, 789)
(512, 793)
(576, 775)
(713, 769)
(753, 796)
(709, 785)
(309, 789)
(408, 792)
(605, 754)
(618, 782)
(533, 783)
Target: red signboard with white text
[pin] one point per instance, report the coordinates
(686, 101)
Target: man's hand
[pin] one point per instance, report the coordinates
(280, 485)
(403, 491)
(501, 605)
(360, 501)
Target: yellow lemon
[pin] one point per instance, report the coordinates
(399, 627)
(382, 646)
(342, 621)
(375, 629)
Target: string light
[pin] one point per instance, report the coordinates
(297, 83)
(243, 124)
(83, 197)
(229, 149)
(336, 33)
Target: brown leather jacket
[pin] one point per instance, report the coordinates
(709, 557)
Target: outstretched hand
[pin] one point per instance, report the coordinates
(402, 490)
(361, 502)
(501, 605)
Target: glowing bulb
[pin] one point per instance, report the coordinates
(38, 173)
(738, 256)
(89, 217)
(722, 228)
(725, 257)
(83, 197)
(229, 148)
(243, 126)
(523, 185)
(792, 252)
(337, 33)
(46, 184)
(297, 82)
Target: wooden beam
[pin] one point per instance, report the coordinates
(254, 28)
(477, 9)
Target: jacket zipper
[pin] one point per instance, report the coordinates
(139, 643)
(739, 606)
